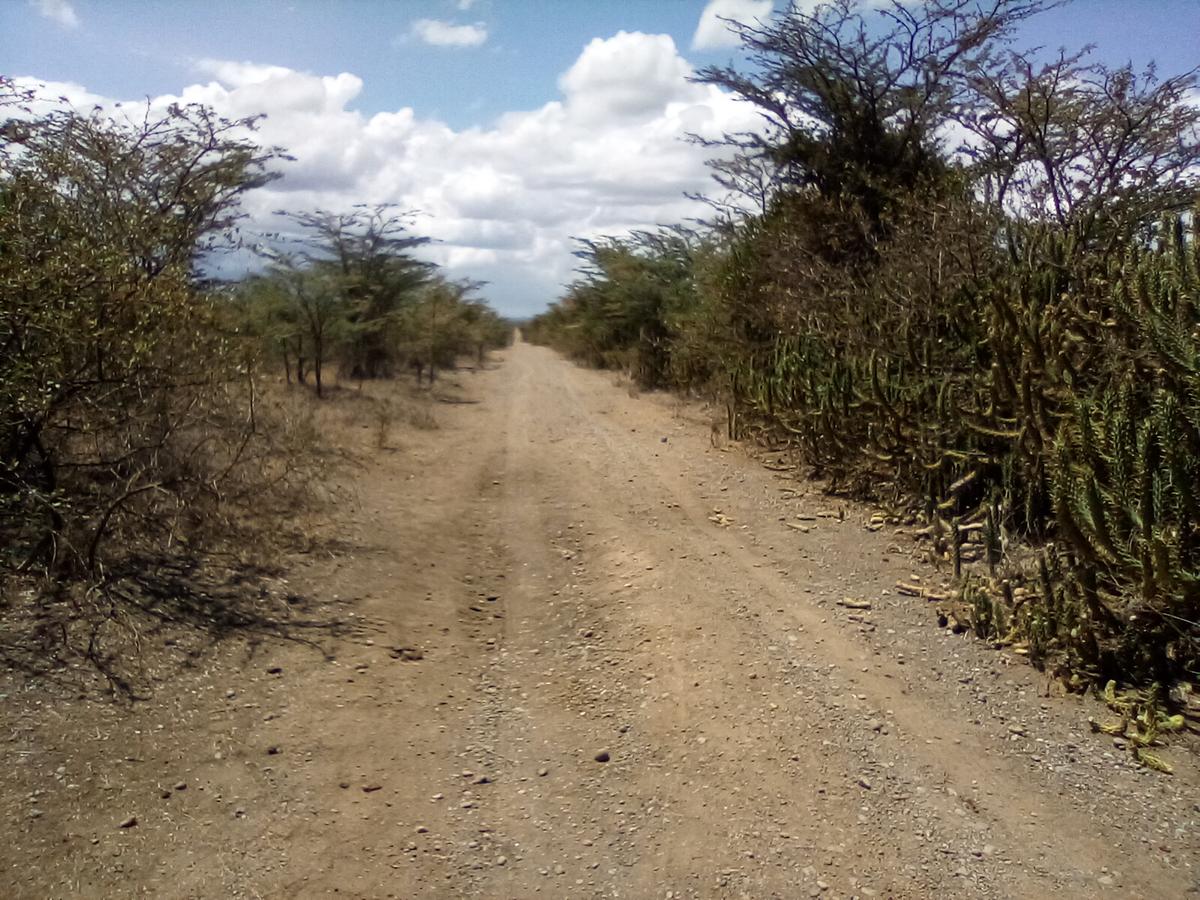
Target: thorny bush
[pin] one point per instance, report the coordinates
(131, 424)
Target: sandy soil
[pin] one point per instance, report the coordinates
(593, 660)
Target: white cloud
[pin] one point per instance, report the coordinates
(447, 34)
(60, 11)
(50, 95)
(712, 32)
(504, 201)
(465, 5)
(630, 74)
(238, 73)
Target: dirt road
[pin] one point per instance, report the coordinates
(597, 662)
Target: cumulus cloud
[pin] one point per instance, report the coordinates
(60, 11)
(629, 75)
(713, 31)
(50, 95)
(504, 201)
(447, 34)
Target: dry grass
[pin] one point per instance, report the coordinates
(154, 609)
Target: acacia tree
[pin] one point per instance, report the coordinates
(267, 315)
(302, 313)
(301, 309)
(120, 405)
(449, 321)
(365, 257)
(630, 304)
(854, 96)
(1092, 152)
(851, 163)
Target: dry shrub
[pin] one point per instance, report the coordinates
(419, 414)
(146, 477)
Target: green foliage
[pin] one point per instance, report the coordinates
(637, 296)
(447, 322)
(1126, 464)
(363, 260)
(355, 295)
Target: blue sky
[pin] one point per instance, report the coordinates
(513, 125)
(128, 49)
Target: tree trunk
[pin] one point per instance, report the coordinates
(318, 361)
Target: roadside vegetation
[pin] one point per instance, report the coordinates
(147, 438)
(963, 281)
(347, 291)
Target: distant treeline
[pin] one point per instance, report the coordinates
(962, 280)
(346, 289)
(138, 419)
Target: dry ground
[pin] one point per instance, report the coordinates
(563, 574)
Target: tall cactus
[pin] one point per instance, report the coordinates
(1127, 464)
